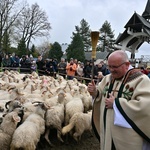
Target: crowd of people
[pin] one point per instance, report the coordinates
(72, 69)
(25, 63)
(68, 69)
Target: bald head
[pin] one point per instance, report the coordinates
(119, 55)
(118, 63)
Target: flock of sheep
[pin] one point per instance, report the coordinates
(31, 106)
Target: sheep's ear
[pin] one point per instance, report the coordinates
(19, 92)
(7, 104)
(16, 118)
(47, 106)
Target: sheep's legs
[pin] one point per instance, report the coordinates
(77, 136)
(59, 135)
(47, 137)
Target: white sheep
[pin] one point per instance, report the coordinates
(86, 98)
(5, 95)
(27, 135)
(55, 118)
(42, 88)
(80, 122)
(72, 107)
(28, 109)
(5, 78)
(7, 129)
(54, 100)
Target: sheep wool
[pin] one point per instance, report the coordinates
(80, 122)
(7, 129)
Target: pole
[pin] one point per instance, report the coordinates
(94, 40)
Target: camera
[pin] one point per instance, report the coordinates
(70, 68)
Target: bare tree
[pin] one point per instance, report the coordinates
(9, 11)
(44, 48)
(32, 23)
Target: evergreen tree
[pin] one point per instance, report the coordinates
(32, 48)
(22, 50)
(84, 31)
(56, 51)
(106, 37)
(13, 50)
(76, 48)
(33, 51)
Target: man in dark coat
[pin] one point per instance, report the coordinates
(40, 65)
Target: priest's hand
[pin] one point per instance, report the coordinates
(109, 101)
(92, 89)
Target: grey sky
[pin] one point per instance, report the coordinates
(64, 15)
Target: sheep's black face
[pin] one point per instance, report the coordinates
(20, 114)
(24, 78)
(17, 104)
(12, 105)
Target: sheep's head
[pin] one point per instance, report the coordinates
(11, 87)
(24, 78)
(12, 105)
(34, 74)
(60, 79)
(60, 90)
(12, 116)
(75, 80)
(6, 72)
(61, 96)
(41, 108)
(33, 88)
(19, 111)
(44, 106)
